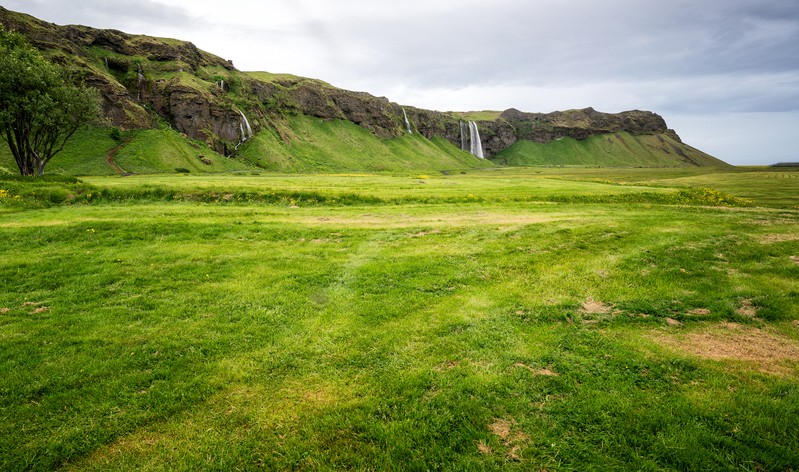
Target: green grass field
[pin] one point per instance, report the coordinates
(510, 319)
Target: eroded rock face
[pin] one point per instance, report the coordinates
(125, 86)
(581, 124)
(116, 104)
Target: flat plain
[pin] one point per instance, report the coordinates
(504, 319)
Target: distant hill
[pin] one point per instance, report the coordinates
(608, 150)
(183, 109)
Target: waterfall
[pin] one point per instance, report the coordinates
(222, 85)
(407, 123)
(475, 145)
(246, 123)
(106, 64)
(140, 80)
(246, 131)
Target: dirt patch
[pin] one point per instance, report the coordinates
(548, 373)
(778, 238)
(764, 351)
(41, 309)
(672, 322)
(795, 259)
(594, 307)
(747, 308)
(542, 372)
(446, 366)
(699, 312)
(3, 311)
(501, 428)
(510, 436)
(484, 448)
(422, 234)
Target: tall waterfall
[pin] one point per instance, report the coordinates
(246, 132)
(475, 145)
(222, 85)
(245, 124)
(407, 123)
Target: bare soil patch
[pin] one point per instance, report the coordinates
(543, 372)
(501, 428)
(795, 259)
(747, 308)
(764, 351)
(778, 238)
(699, 312)
(447, 366)
(594, 307)
(484, 448)
(511, 437)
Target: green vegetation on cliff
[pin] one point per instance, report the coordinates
(607, 150)
(331, 146)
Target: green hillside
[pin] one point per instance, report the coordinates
(308, 144)
(183, 110)
(154, 151)
(608, 150)
(139, 151)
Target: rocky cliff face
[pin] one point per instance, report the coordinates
(513, 125)
(143, 80)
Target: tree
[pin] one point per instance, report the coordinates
(39, 109)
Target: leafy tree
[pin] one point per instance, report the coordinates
(39, 109)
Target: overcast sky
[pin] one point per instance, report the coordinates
(723, 73)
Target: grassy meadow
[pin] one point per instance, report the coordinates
(501, 319)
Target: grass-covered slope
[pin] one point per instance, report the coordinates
(84, 154)
(92, 151)
(608, 150)
(311, 144)
(304, 144)
(155, 151)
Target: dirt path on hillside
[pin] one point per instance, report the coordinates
(111, 154)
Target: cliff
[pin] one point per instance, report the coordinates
(145, 80)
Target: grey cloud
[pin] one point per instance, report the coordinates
(578, 42)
